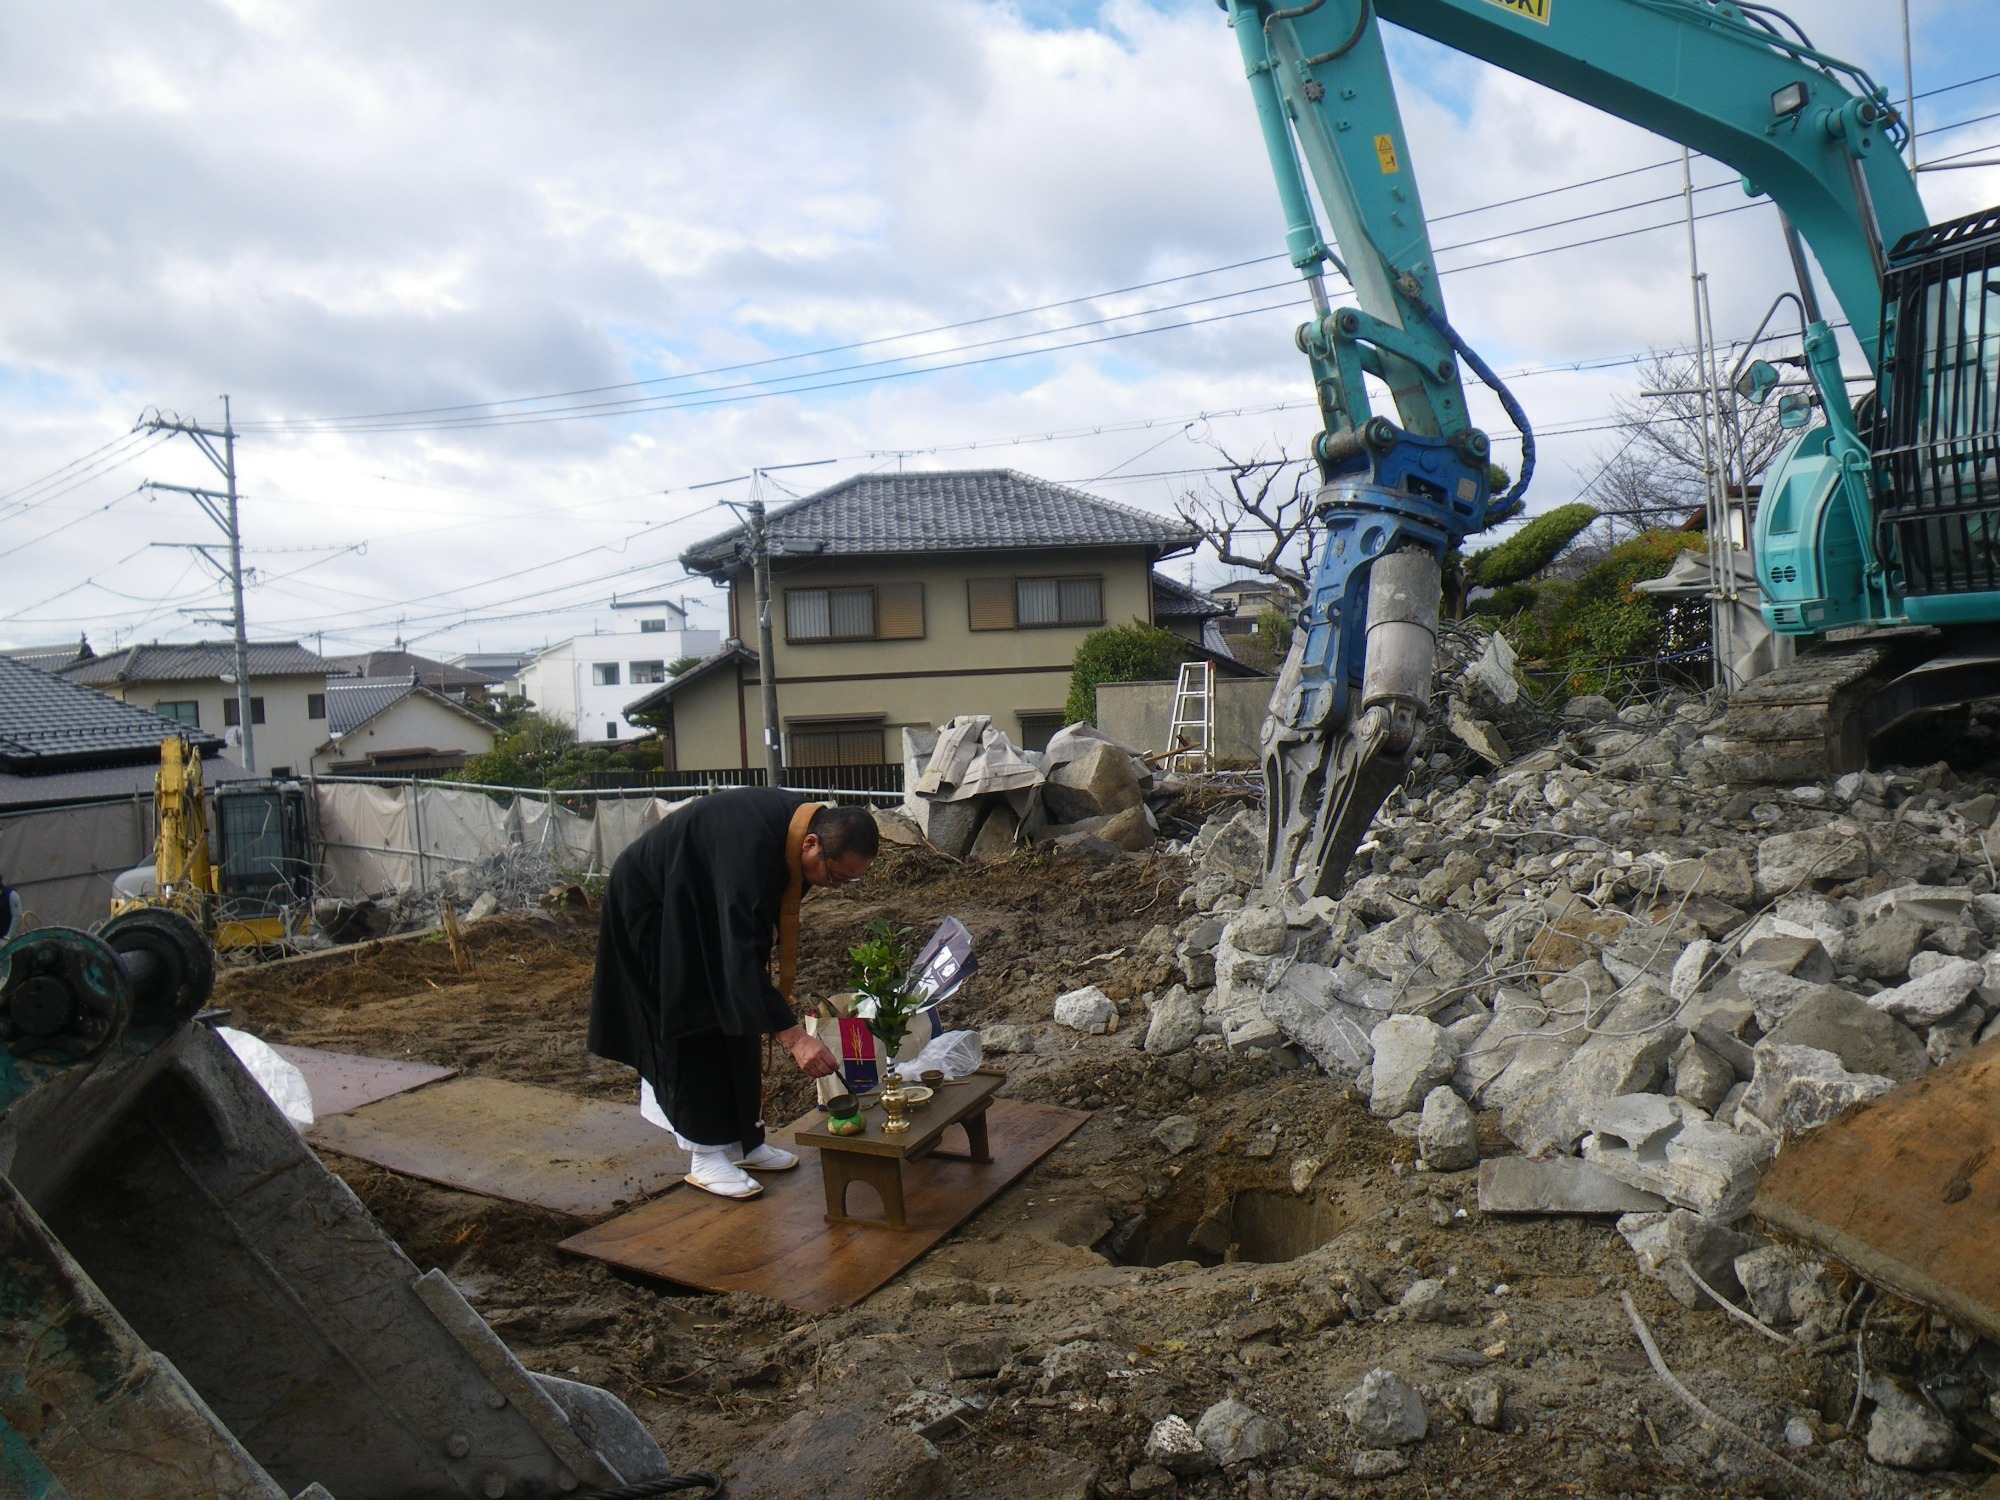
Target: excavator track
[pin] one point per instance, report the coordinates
(1816, 718)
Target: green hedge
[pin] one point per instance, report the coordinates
(1122, 653)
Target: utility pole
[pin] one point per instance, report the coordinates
(1909, 89)
(225, 517)
(767, 663)
(1715, 505)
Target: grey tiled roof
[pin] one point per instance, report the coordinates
(353, 701)
(48, 724)
(438, 676)
(1173, 600)
(196, 661)
(51, 658)
(961, 510)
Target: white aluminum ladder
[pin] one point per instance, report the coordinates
(1191, 734)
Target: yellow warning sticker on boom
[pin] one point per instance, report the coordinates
(1385, 153)
(1534, 10)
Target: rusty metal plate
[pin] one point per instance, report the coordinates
(341, 1081)
(781, 1245)
(583, 1157)
(1906, 1190)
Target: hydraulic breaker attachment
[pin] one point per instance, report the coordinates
(1325, 784)
(192, 1307)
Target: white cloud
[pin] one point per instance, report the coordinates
(330, 207)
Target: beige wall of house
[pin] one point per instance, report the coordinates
(285, 740)
(410, 723)
(951, 669)
(718, 722)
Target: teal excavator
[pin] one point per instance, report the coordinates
(193, 1308)
(1878, 536)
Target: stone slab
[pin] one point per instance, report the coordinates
(1557, 1185)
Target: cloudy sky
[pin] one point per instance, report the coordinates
(712, 237)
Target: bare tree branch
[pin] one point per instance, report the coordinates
(1656, 473)
(1256, 523)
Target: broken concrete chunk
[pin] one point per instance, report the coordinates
(935, 1414)
(1004, 1036)
(1098, 783)
(1634, 1121)
(1176, 1022)
(1935, 995)
(1800, 957)
(1237, 1434)
(1305, 1005)
(1713, 1170)
(1865, 1039)
(1722, 873)
(1667, 1244)
(1697, 964)
(1882, 946)
(1088, 1009)
(1448, 1135)
(978, 1359)
(1174, 1447)
(1787, 861)
(1385, 1411)
(1412, 1057)
(1484, 1398)
(1626, 1056)
(1453, 946)
(1801, 1088)
(1258, 930)
(1557, 1185)
(1131, 830)
(1176, 1134)
(1906, 1434)
(1701, 1078)
(1768, 1274)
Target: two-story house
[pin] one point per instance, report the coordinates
(194, 684)
(586, 681)
(905, 599)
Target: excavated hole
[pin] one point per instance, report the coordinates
(1254, 1225)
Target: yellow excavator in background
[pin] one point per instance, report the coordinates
(257, 894)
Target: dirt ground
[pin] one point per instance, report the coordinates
(1108, 1267)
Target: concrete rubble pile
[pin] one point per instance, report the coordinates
(514, 879)
(976, 795)
(1646, 980)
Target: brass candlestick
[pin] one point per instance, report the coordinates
(894, 1105)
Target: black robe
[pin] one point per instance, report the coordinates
(683, 990)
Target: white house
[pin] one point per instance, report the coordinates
(587, 681)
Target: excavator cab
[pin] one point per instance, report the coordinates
(1936, 437)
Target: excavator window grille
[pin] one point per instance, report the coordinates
(1937, 455)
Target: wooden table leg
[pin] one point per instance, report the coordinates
(975, 1140)
(840, 1169)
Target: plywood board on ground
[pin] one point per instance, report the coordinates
(1906, 1190)
(341, 1081)
(512, 1140)
(781, 1246)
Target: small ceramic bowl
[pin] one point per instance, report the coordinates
(934, 1079)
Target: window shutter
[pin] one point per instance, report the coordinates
(990, 603)
(1083, 601)
(1041, 601)
(807, 617)
(851, 613)
(899, 611)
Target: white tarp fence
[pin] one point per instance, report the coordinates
(378, 839)
(63, 859)
(373, 840)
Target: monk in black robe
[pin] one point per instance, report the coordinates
(684, 991)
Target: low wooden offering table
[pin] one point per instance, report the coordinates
(877, 1158)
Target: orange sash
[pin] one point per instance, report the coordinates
(788, 911)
